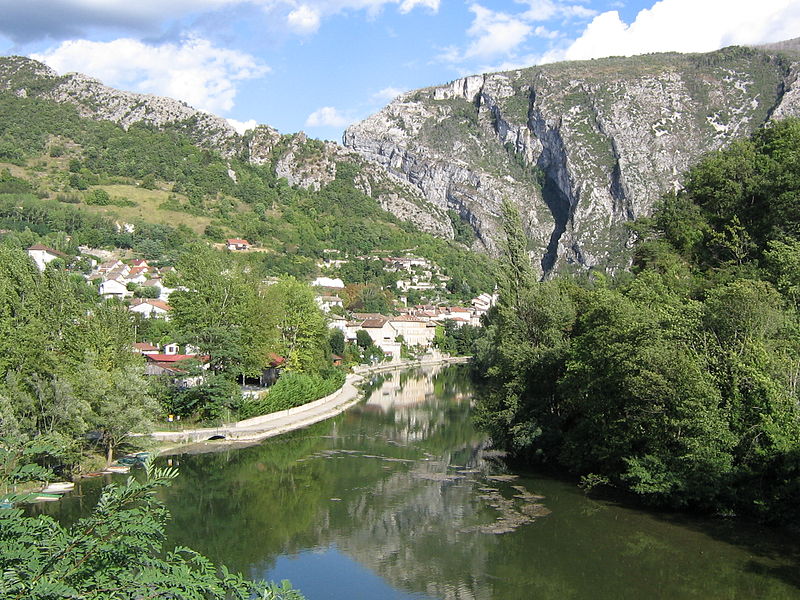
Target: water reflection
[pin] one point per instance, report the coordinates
(401, 498)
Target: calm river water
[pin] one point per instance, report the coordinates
(401, 498)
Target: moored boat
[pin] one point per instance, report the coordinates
(42, 497)
(59, 487)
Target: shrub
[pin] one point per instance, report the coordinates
(293, 389)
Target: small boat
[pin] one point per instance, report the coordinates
(56, 486)
(117, 469)
(41, 497)
(92, 474)
(6, 504)
(127, 460)
(142, 456)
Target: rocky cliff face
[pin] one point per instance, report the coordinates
(579, 147)
(303, 162)
(29, 78)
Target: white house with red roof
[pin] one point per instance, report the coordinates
(145, 348)
(177, 366)
(415, 331)
(150, 308)
(237, 244)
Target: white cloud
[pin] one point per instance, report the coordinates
(544, 32)
(540, 10)
(502, 36)
(242, 126)
(24, 21)
(327, 116)
(195, 71)
(304, 19)
(545, 10)
(497, 33)
(387, 94)
(407, 6)
(685, 26)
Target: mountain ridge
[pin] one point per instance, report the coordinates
(580, 147)
(305, 163)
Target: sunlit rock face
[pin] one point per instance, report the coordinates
(581, 147)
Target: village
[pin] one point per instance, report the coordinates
(146, 290)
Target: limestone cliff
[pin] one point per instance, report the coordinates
(579, 147)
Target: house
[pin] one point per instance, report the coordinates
(111, 288)
(138, 275)
(175, 359)
(145, 348)
(176, 366)
(139, 262)
(42, 255)
(109, 265)
(383, 335)
(337, 322)
(119, 272)
(150, 308)
(326, 303)
(415, 331)
(237, 244)
(481, 305)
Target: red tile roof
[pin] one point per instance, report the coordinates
(152, 302)
(145, 347)
(46, 249)
(174, 358)
(407, 319)
(373, 323)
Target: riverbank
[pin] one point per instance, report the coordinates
(254, 430)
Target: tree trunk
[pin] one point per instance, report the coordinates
(109, 453)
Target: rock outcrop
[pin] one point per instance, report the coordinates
(580, 148)
(303, 162)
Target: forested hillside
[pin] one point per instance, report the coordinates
(677, 382)
(65, 173)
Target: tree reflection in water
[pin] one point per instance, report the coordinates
(404, 489)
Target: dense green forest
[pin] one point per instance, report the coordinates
(70, 376)
(676, 382)
(67, 164)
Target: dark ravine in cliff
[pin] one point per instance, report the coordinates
(579, 147)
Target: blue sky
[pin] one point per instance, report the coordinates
(317, 65)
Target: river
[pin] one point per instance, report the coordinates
(401, 498)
